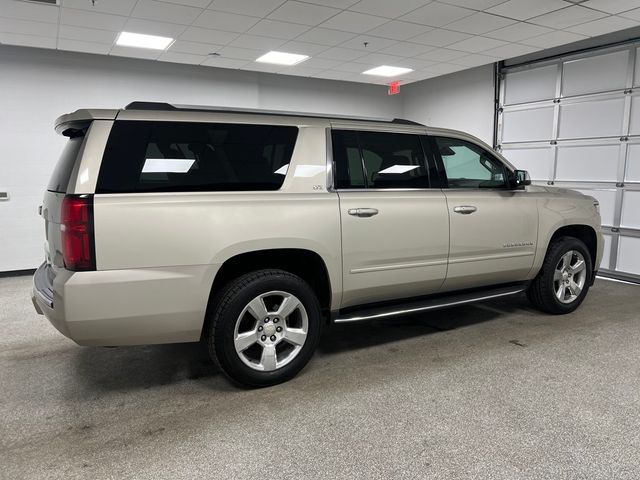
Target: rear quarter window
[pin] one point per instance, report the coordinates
(61, 175)
(172, 157)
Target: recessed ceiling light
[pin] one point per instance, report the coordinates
(128, 39)
(387, 71)
(282, 58)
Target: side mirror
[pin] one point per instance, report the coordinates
(520, 179)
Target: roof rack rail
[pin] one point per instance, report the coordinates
(168, 107)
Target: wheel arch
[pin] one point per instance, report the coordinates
(585, 233)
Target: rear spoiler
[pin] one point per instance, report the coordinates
(71, 123)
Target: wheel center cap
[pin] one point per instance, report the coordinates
(270, 329)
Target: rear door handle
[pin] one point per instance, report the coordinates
(363, 212)
(465, 209)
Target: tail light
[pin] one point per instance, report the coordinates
(78, 248)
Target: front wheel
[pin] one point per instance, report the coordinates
(264, 328)
(564, 279)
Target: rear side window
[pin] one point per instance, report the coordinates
(184, 157)
(61, 175)
(378, 160)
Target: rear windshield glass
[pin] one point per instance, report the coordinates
(172, 157)
(62, 171)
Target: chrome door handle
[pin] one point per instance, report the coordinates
(363, 212)
(465, 209)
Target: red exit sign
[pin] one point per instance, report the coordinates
(394, 88)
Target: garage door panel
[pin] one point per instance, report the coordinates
(606, 254)
(601, 73)
(607, 199)
(529, 125)
(629, 255)
(634, 122)
(531, 85)
(591, 119)
(537, 161)
(630, 210)
(633, 164)
(588, 163)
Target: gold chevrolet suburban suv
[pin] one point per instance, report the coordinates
(251, 230)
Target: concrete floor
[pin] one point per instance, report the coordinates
(494, 391)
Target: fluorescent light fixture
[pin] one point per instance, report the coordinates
(387, 71)
(129, 39)
(167, 165)
(282, 58)
(399, 169)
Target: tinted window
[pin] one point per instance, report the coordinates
(167, 156)
(378, 160)
(61, 175)
(469, 166)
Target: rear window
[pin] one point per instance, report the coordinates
(61, 175)
(183, 157)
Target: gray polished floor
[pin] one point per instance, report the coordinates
(489, 391)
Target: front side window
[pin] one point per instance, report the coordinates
(378, 160)
(470, 166)
(170, 157)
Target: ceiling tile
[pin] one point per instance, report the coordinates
(382, 59)
(303, 48)
(257, 42)
(304, 13)
(473, 4)
(83, 18)
(229, 22)
(204, 35)
(518, 31)
(262, 67)
(479, 23)
(444, 68)
(324, 36)
(246, 7)
(145, 53)
(345, 54)
(189, 3)
(341, 4)
(353, 22)
(84, 47)
(220, 62)
(275, 29)
(406, 49)
(553, 39)
(477, 44)
(437, 14)
(602, 26)
(442, 55)
(94, 35)
(440, 38)
(194, 48)
(614, 6)
(474, 60)
(30, 11)
(567, 17)
(150, 27)
(176, 57)
(300, 71)
(242, 53)
(165, 12)
(510, 50)
(632, 14)
(398, 30)
(353, 67)
(321, 63)
(525, 9)
(25, 27)
(386, 8)
(373, 44)
(116, 7)
(27, 40)
(332, 75)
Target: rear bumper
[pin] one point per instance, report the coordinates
(125, 307)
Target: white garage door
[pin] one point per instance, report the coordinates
(575, 122)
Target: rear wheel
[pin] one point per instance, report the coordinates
(564, 279)
(264, 328)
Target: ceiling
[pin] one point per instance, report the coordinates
(342, 37)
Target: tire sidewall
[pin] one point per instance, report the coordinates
(564, 247)
(227, 315)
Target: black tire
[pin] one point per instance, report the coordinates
(541, 291)
(230, 302)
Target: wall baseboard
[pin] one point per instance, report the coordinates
(18, 273)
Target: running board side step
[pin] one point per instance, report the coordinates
(434, 303)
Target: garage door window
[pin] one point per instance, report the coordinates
(168, 157)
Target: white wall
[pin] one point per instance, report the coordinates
(36, 86)
(461, 100)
